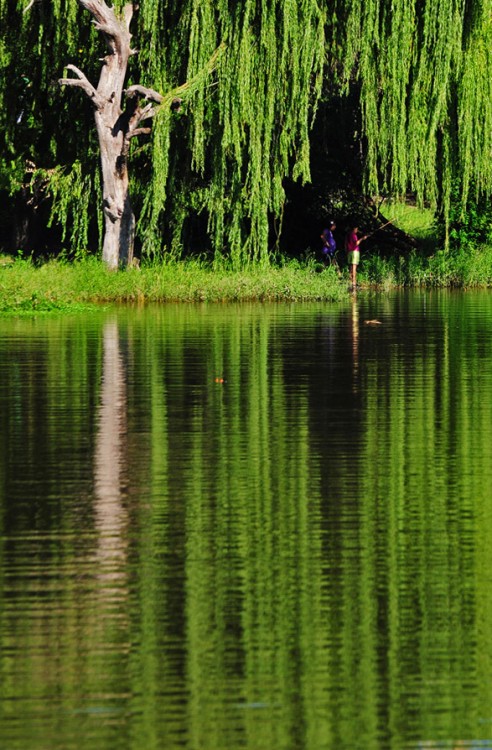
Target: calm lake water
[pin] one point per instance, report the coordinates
(255, 527)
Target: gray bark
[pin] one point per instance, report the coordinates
(118, 115)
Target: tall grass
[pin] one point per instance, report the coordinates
(463, 268)
(58, 285)
(429, 265)
(26, 286)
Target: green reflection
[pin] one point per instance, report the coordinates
(247, 526)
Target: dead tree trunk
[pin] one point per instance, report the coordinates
(118, 115)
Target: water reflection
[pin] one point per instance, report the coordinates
(297, 557)
(110, 463)
(355, 342)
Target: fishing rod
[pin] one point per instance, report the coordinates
(377, 230)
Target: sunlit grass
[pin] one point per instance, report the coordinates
(58, 285)
(27, 287)
(429, 264)
(416, 222)
(410, 218)
(464, 268)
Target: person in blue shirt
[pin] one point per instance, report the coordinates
(329, 244)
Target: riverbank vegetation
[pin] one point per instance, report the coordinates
(292, 113)
(56, 285)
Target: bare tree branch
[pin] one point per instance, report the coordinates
(114, 29)
(128, 14)
(145, 113)
(101, 12)
(82, 82)
(104, 28)
(140, 131)
(144, 93)
(133, 123)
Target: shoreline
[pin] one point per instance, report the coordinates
(58, 285)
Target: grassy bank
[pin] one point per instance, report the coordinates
(58, 285)
(429, 265)
(464, 269)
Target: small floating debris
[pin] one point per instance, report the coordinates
(372, 322)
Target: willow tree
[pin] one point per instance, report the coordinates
(119, 114)
(418, 74)
(424, 72)
(249, 132)
(242, 134)
(115, 127)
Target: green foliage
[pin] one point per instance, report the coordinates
(383, 272)
(424, 71)
(71, 192)
(417, 74)
(469, 225)
(465, 268)
(246, 127)
(28, 287)
(59, 285)
(248, 130)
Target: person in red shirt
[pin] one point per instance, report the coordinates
(352, 246)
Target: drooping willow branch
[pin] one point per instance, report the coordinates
(119, 114)
(414, 78)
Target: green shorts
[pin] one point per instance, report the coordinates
(353, 258)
